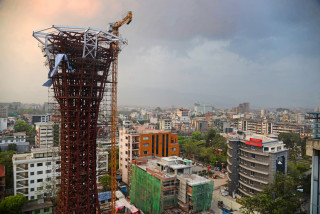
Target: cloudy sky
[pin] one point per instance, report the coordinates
(180, 51)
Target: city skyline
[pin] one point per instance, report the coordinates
(223, 53)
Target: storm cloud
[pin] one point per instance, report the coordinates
(179, 52)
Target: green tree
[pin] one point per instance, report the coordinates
(280, 197)
(22, 126)
(12, 147)
(106, 182)
(12, 204)
(290, 139)
(6, 160)
(210, 135)
(197, 136)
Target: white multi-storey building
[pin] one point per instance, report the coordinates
(44, 136)
(36, 173)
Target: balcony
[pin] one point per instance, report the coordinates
(228, 170)
(22, 184)
(250, 186)
(256, 179)
(254, 152)
(22, 167)
(23, 191)
(254, 170)
(229, 154)
(245, 192)
(21, 176)
(229, 162)
(254, 161)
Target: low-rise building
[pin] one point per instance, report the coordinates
(253, 160)
(18, 138)
(164, 183)
(165, 124)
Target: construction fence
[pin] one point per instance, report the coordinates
(202, 196)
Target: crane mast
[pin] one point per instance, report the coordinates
(114, 28)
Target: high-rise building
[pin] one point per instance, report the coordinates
(253, 160)
(141, 141)
(3, 111)
(313, 150)
(44, 136)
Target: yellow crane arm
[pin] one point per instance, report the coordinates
(114, 27)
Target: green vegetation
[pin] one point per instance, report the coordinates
(56, 135)
(22, 126)
(12, 204)
(106, 182)
(205, 150)
(6, 160)
(280, 197)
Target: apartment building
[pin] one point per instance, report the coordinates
(44, 136)
(165, 124)
(253, 160)
(170, 185)
(267, 127)
(3, 111)
(183, 115)
(202, 108)
(200, 124)
(36, 174)
(143, 141)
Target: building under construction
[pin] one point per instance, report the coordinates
(79, 61)
(163, 184)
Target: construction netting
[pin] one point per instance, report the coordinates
(145, 191)
(202, 196)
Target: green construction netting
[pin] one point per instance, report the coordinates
(202, 196)
(145, 191)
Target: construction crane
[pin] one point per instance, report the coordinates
(114, 29)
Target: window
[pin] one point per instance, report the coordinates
(39, 188)
(126, 166)
(39, 172)
(126, 152)
(32, 197)
(265, 149)
(31, 173)
(253, 165)
(251, 191)
(46, 209)
(48, 179)
(173, 149)
(145, 138)
(32, 189)
(145, 152)
(48, 163)
(39, 180)
(126, 159)
(272, 149)
(250, 182)
(39, 164)
(252, 173)
(253, 155)
(253, 148)
(145, 144)
(48, 171)
(32, 165)
(32, 181)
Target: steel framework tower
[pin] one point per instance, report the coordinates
(79, 60)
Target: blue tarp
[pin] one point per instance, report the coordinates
(104, 196)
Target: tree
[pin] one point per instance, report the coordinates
(210, 135)
(6, 160)
(197, 136)
(280, 197)
(291, 139)
(22, 126)
(12, 147)
(106, 182)
(12, 204)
